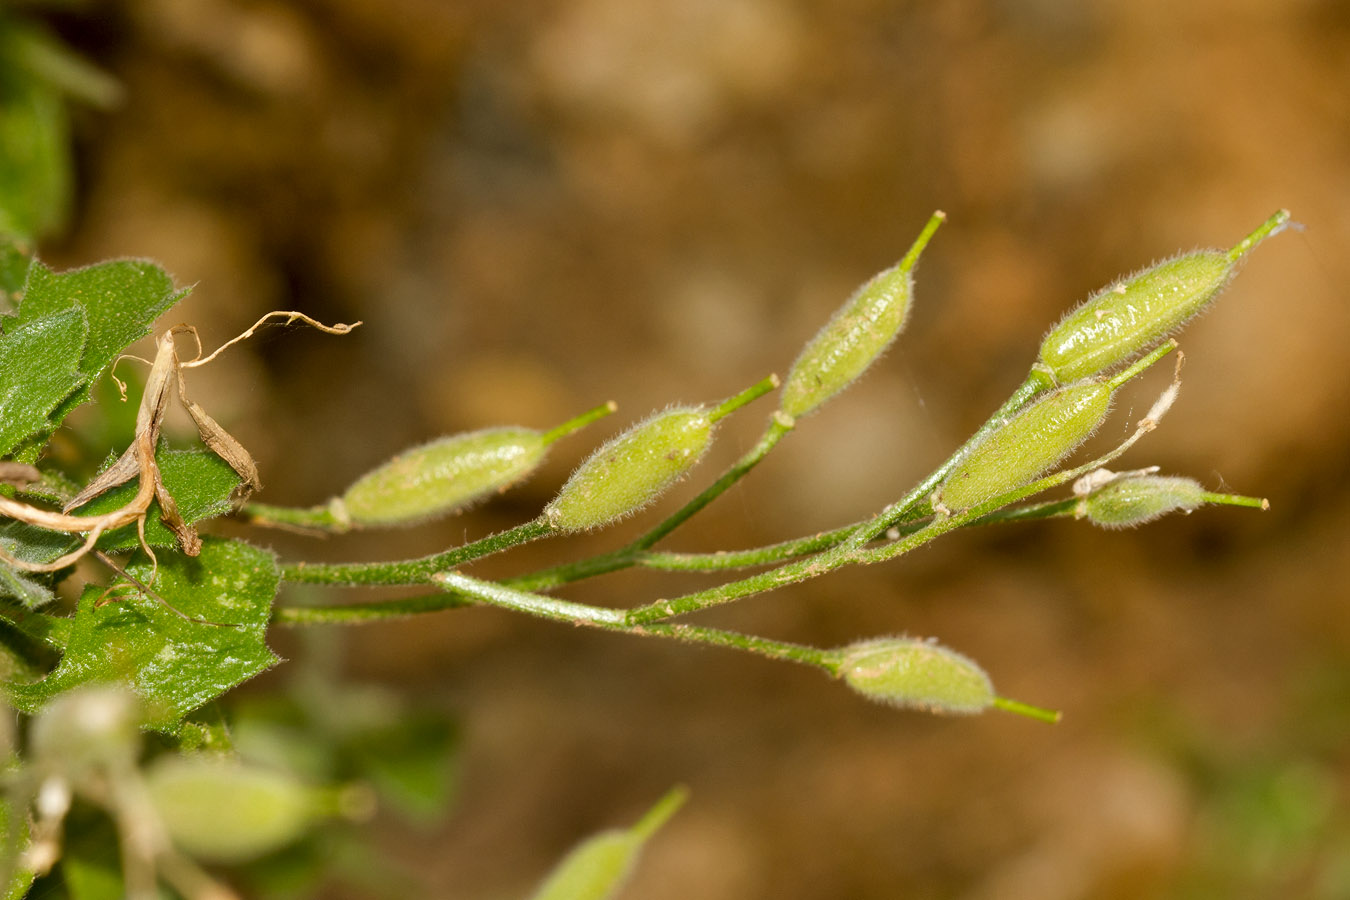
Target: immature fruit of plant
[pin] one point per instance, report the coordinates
(227, 812)
(857, 333)
(916, 674)
(633, 469)
(450, 473)
(1130, 500)
(1033, 441)
(597, 868)
(1129, 317)
(442, 476)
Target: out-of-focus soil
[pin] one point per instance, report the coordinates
(536, 207)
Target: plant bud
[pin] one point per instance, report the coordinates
(1131, 500)
(632, 470)
(1127, 318)
(916, 674)
(1033, 441)
(857, 333)
(442, 476)
(227, 812)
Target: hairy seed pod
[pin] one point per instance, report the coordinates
(632, 470)
(1133, 315)
(595, 869)
(227, 812)
(1131, 500)
(1027, 445)
(442, 476)
(857, 333)
(916, 674)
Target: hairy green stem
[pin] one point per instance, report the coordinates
(413, 571)
(461, 590)
(726, 560)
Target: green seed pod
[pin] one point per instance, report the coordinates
(1131, 500)
(227, 812)
(856, 335)
(593, 870)
(448, 474)
(597, 868)
(442, 476)
(633, 469)
(1133, 315)
(916, 674)
(1033, 441)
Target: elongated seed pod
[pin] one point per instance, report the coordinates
(856, 335)
(916, 674)
(442, 476)
(1131, 500)
(598, 867)
(1027, 445)
(1134, 314)
(227, 812)
(632, 470)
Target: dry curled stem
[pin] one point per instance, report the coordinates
(138, 460)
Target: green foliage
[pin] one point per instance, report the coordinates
(39, 368)
(201, 635)
(120, 300)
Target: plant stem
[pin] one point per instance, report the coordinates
(1236, 500)
(360, 613)
(753, 392)
(579, 422)
(319, 519)
(724, 560)
(413, 571)
(1026, 709)
(461, 590)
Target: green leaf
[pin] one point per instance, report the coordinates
(175, 664)
(121, 299)
(31, 594)
(200, 482)
(39, 367)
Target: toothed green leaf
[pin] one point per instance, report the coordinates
(121, 299)
(39, 368)
(175, 664)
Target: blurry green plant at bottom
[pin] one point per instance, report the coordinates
(1272, 813)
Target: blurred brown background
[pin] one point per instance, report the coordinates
(538, 206)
